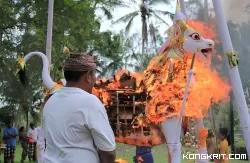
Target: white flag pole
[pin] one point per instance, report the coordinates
(49, 31)
(233, 72)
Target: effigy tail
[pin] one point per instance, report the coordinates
(21, 71)
(22, 77)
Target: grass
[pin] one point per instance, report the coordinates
(17, 155)
(127, 152)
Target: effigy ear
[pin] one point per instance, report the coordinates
(179, 28)
(176, 30)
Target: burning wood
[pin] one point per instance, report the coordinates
(125, 107)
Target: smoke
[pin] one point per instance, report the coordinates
(236, 10)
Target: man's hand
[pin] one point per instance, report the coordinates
(13, 135)
(107, 157)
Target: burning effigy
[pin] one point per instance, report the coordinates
(145, 109)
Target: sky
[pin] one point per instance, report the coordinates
(233, 11)
(119, 12)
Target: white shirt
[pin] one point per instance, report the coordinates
(32, 133)
(40, 138)
(75, 124)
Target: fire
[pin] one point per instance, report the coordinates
(167, 96)
(121, 161)
(207, 31)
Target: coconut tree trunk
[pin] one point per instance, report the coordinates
(27, 119)
(206, 11)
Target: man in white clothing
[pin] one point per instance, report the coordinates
(40, 144)
(76, 125)
(32, 135)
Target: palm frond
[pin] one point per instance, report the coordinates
(127, 17)
(133, 1)
(152, 33)
(156, 2)
(162, 12)
(159, 18)
(107, 12)
(112, 4)
(129, 25)
(119, 4)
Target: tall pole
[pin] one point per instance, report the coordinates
(231, 121)
(233, 72)
(49, 31)
(206, 11)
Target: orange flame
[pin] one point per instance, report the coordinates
(121, 161)
(202, 137)
(209, 85)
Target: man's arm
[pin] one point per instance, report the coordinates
(102, 133)
(28, 133)
(107, 157)
(15, 134)
(6, 135)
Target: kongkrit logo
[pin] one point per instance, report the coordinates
(214, 156)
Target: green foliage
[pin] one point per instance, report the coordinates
(240, 143)
(23, 28)
(114, 49)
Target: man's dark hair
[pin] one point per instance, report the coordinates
(32, 124)
(224, 132)
(210, 133)
(73, 76)
(21, 129)
(9, 122)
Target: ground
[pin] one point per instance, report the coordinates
(126, 152)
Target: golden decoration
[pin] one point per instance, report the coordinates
(21, 63)
(56, 87)
(169, 32)
(67, 51)
(233, 59)
(178, 7)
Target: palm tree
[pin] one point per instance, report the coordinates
(139, 61)
(107, 6)
(146, 12)
(112, 52)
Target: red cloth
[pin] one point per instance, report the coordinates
(31, 140)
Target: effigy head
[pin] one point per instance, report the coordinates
(192, 42)
(186, 40)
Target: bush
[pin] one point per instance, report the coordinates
(240, 147)
(241, 150)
